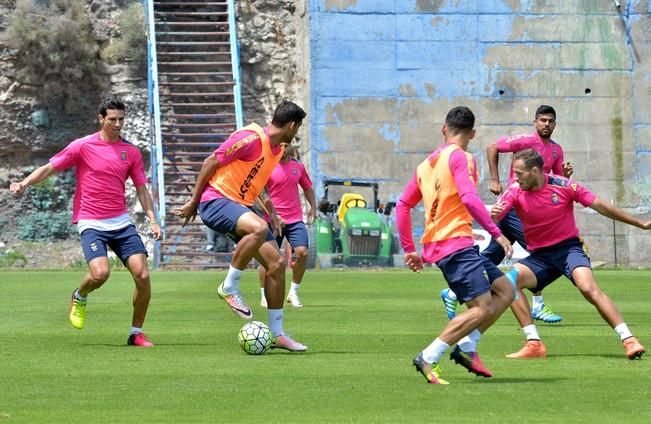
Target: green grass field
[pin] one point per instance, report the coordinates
(362, 327)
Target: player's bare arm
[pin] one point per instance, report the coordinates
(189, 210)
(148, 206)
(277, 223)
(493, 156)
(414, 261)
(311, 200)
(35, 177)
(618, 214)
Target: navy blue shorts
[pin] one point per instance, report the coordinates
(124, 242)
(549, 263)
(468, 273)
(295, 233)
(512, 228)
(222, 215)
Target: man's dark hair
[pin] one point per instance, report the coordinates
(460, 119)
(287, 112)
(545, 110)
(530, 157)
(112, 103)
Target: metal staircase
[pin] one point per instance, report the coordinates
(195, 104)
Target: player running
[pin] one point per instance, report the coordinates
(511, 226)
(228, 184)
(446, 182)
(103, 161)
(545, 203)
(282, 188)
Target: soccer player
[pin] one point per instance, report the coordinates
(282, 188)
(545, 204)
(446, 182)
(103, 161)
(228, 184)
(511, 226)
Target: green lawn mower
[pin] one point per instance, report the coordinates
(352, 231)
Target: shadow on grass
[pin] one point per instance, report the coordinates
(515, 380)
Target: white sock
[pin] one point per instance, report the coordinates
(262, 296)
(232, 280)
(531, 332)
(135, 330)
(433, 353)
(452, 295)
(293, 289)
(79, 297)
(537, 302)
(622, 331)
(469, 342)
(275, 322)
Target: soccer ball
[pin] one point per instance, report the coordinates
(254, 338)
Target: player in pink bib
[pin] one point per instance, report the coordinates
(282, 188)
(540, 140)
(103, 161)
(545, 204)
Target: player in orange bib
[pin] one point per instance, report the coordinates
(230, 181)
(446, 182)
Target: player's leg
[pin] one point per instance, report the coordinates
(249, 231)
(533, 273)
(296, 234)
(93, 244)
(464, 273)
(137, 266)
(128, 246)
(274, 263)
(584, 280)
(262, 275)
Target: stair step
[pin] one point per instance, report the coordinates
(200, 115)
(194, 74)
(193, 43)
(211, 104)
(228, 126)
(204, 94)
(194, 63)
(178, 13)
(192, 33)
(194, 53)
(192, 23)
(190, 3)
(196, 83)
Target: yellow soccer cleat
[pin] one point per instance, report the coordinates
(77, 312)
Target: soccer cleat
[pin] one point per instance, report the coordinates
(263, 302)
(470, 361)
(287, 343)
(634, 349)
(139, 340)
(451, 305)
(531, 349)
(431, 372)
(236, 302)
(293, 299)
(77, 312)
(545, 314)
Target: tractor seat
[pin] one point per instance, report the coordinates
(349, 200)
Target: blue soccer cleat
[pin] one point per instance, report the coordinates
(545, 314)
(450, 304)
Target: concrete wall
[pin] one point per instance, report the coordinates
(385, 72)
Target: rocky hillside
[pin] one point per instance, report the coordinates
(34, 126)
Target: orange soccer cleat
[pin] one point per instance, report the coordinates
(531, 349)
(634, 349)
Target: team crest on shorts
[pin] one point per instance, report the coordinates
(555, 198)
(123, 155)
(93, 247)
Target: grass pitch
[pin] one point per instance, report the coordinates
(362, 327)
